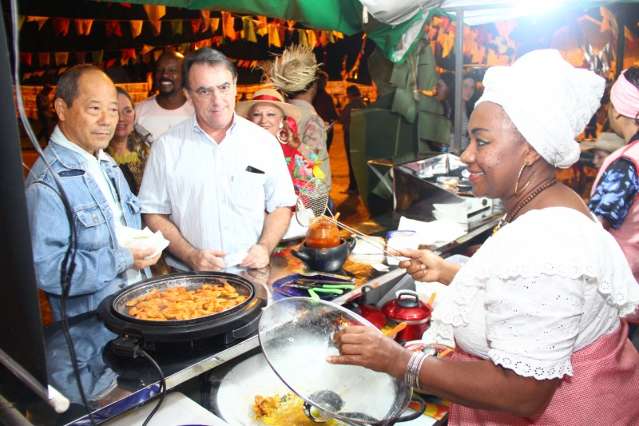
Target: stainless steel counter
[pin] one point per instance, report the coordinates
(116, 385)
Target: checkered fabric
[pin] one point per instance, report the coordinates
(604, 389)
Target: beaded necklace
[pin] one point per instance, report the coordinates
(508, 217)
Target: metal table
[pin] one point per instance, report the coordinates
(117, 385)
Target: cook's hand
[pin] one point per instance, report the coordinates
(257, 257)
(206, 260)
(141, 257)
(367, 347)
(424, 265)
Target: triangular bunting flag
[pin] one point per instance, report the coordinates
(206, 24)
(215, 24)
(113, 28)
(157, 54)
(323, 38)
(21, 20)
(83, 26)
(80, 57)
(262, 26)
(274, 35)
(61, 58)
(311, 36)
(248, 29)
(177, 26)
(43, 59)
(26, 58)
(157, 27)
(206, 20)
(228, 26)
(127, 55)
(301, 38)
(136, 27)
(155, 13)
(40, 20)
(61, 26)
(196, 24)
(110, 63)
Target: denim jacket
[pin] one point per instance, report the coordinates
(100, 263)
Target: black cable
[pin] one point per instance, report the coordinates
(68, 262)
(162, 385)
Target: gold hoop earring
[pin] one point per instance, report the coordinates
(521, 171)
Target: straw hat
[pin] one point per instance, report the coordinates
(268, 96)
(606, 141)
(294, 70)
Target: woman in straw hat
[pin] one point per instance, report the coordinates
(536, 313)
(268, 110)
(296, 73)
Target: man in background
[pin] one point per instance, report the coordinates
(170, 106)
(325, 107)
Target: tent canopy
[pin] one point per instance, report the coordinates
(393, 25)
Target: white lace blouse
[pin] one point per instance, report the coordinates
(541, 288)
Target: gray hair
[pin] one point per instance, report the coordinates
(209, 56)
(67, 88)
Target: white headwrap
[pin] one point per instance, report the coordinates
(548, 100)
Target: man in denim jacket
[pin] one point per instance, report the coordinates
(100, 199)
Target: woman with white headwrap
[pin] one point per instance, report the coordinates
(536, 312)
(616, 189)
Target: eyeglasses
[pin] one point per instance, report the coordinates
(207, 92)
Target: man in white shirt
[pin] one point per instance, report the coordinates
(170, 106)
(217, 186)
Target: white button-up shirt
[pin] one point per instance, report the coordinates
(217, 194)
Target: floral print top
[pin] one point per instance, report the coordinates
(615, 192)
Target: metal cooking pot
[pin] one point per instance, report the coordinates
(406, 307)
(296, 336)
(325, 259)
(238, 322)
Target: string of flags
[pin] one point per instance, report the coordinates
(222, 28)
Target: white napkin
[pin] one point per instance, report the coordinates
(435, 233)
(369, 251)
(132, 238)
(233, 259)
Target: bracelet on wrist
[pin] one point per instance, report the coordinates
(411, 376)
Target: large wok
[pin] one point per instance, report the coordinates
(235, 323)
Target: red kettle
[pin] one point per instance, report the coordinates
(406, 307)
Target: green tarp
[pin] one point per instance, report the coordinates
(340, 15)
